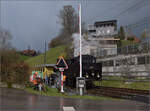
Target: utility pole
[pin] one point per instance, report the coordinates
(29, 48)
(1, 55)
(0, 12)
(45, 54)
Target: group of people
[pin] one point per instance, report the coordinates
(38, 82)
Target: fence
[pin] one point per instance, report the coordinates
(138, 48)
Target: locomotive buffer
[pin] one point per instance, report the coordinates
(61, 65)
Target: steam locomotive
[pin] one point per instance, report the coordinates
(91, 70)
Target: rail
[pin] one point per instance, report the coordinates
(146, 80)
(123, 93)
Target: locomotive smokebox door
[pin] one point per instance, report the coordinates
(80, 82)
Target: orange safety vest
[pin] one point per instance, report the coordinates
(34, 79)
(64, 78)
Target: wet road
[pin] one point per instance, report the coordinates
(18, 100)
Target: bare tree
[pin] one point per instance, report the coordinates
(5, 38)
(68, 19)
(69, 22)
(11, 68)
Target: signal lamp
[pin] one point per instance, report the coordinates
(87, 76)
(98, 76)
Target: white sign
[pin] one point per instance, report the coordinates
(61, 69)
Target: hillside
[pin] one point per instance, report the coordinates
(51, 56)
(23, 57)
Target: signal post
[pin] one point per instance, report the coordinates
(61, 65)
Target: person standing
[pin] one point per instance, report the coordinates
(35, 80)
(40, 86)
(46, 79)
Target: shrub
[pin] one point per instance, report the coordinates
(13, 70)
(9, 84)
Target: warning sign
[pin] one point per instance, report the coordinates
(62, 63)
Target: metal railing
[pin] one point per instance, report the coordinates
(139, 48)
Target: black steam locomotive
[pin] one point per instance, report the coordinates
(90, 70)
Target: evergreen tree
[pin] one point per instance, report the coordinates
(121, 33)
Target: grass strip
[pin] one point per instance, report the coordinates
(54, 92)
(122, 84)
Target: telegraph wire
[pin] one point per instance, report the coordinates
(132, 7)
(136, 4)
(143, 21)
(105, 12)
(66, 0)
(137, 26)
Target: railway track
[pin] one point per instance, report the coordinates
(126, 90)
(123, 93)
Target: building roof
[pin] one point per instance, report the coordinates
(104, 38)
(46, 65)
(99, 23)
(136, 39)
(29, 51)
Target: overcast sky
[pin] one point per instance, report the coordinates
(32, 22)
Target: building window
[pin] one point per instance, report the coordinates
(108, 63)
(144, 60)
(141, 60)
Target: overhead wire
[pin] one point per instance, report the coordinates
(112, 8)
(118, 15)
(63, 0)
(137, 25)
(131, 7)
(136, 5)
(106, 11)
(145, 19)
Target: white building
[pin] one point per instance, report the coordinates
(104, 32)
(100, 40)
